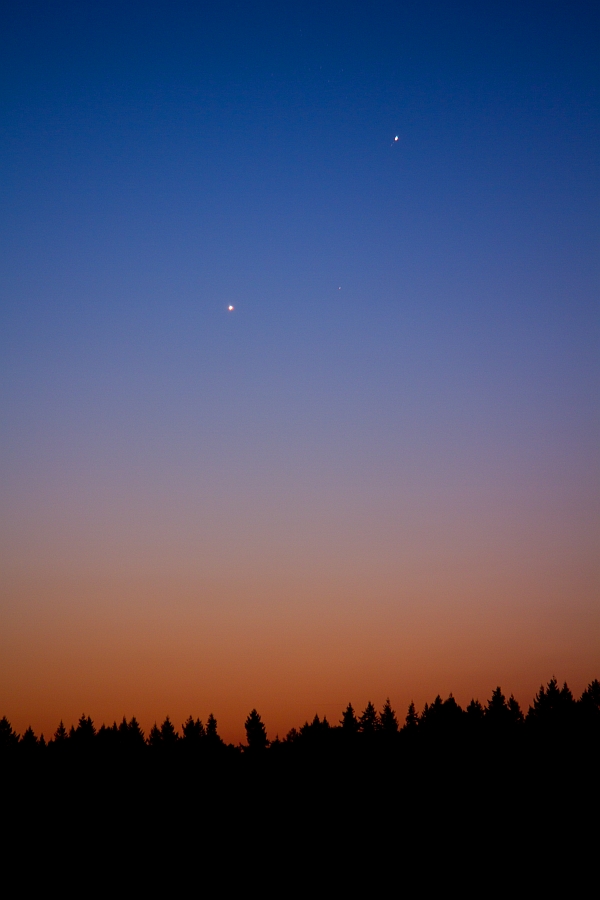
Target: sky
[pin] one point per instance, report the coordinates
(378, 475)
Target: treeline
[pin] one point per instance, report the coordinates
(554, 715)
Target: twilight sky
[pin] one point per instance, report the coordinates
(380, 473)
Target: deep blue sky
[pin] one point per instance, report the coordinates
(410, 380)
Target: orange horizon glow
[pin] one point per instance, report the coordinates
(151, 650)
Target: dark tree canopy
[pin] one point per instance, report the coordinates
(368, 722)
(349, 722)
(388, 721)
(256, 733)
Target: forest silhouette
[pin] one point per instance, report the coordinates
(555, 717)
(446, 783)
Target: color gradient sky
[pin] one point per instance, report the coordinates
(378, 475)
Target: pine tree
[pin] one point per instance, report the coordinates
(412, 717)
(193, 731)
(387, 719)
(516, 714)
(589, 704)
(212, 737)
(256, 733)
(60, 735)
(28, 741)
(85, 732)
(368, 722)
(168, 735)
(497, 713)
(135, 733)
(475, 715)
(154, 738)
(111, 737)
(131, 736)
(8, 738)
(349, 722)
(432, 715)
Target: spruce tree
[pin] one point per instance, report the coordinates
(475, 714)
(412, 717)
(497, 712)
(368, 722)
(168, 735)
(515, 712)
(154, 738)
(349, 722)
(193, 731)
(60, 735)
(28, 741)
(387, 719)
(212, 736)
(8, 738)
(256, 733)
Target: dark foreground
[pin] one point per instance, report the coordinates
(454, 800)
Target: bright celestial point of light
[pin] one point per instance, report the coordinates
(231, 308)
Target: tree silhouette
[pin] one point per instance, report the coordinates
(589, 704)
(553, 707)
(349, 722)
(441, 717)
(154, 738)
(368, 722)
(60, 735)
(168, 735)
(8, 738)
(475, 713)
(315, 731)
(387, 719)
(411, 721)
(554, 722)
(516, 714)
(193, 732)
(497, 713)
(29, 742)
(213, 741)
(130, 735)
(256, 733)
(84, 734)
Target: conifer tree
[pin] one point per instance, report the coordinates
(154, 738)
(515, 712)
(387, 719)
(475, 712)
(256, 733)
(497, 713)
(85, 732)
(8, 738)
(589, 704)
(168, 735)
(60, 735)
(28, 741)
(349, 722)
(213, 739)
(368, 722)
(412, 717)
(130, 734)
(193, 731)
(135, 733)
